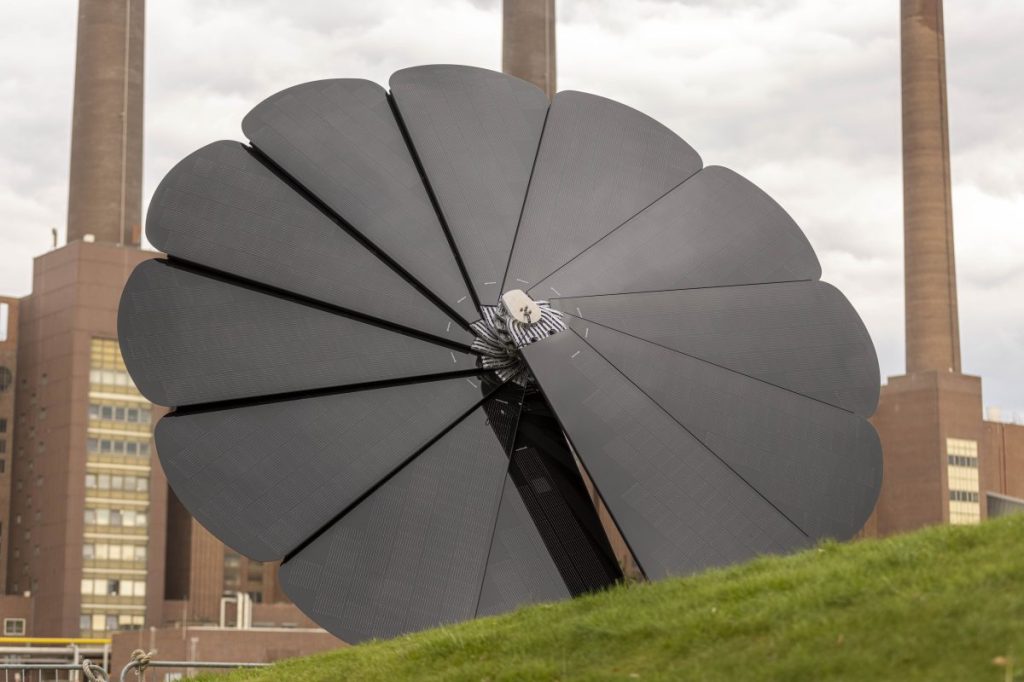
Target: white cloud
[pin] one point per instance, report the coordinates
(801, 96)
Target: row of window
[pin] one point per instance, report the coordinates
(133, 415)
(110, 377)
(113, 551)
(115, 517)
(960, 446)
(113, 587)
(117, 482)
(963, 496)
(117, 447)
(963, 461)
(100, 621)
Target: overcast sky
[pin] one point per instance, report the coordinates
(800, 96)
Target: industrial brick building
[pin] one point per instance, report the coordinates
(941, 457)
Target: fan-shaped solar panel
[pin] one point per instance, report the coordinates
(414, 340)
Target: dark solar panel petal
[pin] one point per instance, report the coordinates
(519, 568)
(716, 229)
(191, 338)
(412, 555)
(820, 465)
(680, 508)
(223, 208)
(802, 336)
(600, 163)
(548, 541)
(265, 477)
(476, 133)
(339, 139)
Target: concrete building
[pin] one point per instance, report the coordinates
(941, 457)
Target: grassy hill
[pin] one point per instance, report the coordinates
(940, 604)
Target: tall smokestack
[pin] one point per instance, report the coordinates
(528, 42)
(105, 195)
(933, 331)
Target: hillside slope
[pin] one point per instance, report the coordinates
(939, 604)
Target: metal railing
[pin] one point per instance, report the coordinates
(86, 671)
(141, 666)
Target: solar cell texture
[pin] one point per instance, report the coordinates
(224, 208)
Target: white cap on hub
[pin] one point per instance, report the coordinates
(521, 307)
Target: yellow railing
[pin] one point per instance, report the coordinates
(53, 640)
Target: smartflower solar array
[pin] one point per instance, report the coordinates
(395, 325)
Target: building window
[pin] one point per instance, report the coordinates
(962, 479)
(116, 482)
(114, 552)
(3, 465)
(3, 445)
(120, 413)
(6, 379)
(117, 447)
(115, 517)
(14, 627)
(113, 587)
(85, 622)
(3, 425)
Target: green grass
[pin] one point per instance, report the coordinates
(939, 604)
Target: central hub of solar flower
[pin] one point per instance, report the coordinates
(503, 329)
